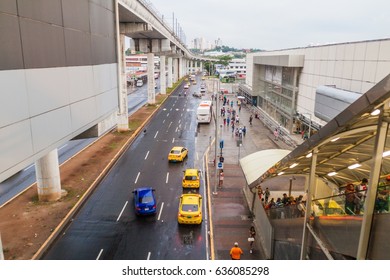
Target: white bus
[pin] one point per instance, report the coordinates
(204, 112)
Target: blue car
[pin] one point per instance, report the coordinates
(144, 201)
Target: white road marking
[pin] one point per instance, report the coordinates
(173, 140)
(179, 121)
(159, 214)
(169, 125)
(164, 121)
(197, 156)
(148, 258)
(123, 209)
(136, 179)
(176, 129)
(100, 253)
(146, 155)
(166, 179)
(156, 134)
(167, 114)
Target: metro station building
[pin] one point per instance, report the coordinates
(301, 89)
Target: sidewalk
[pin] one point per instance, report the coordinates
(230, 213)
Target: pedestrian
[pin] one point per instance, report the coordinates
(260, 192)
(251, 239)
(224, 121)
(276, 134)
(350, 199)
(232, 127)
(236, 252)
(221, 178)
(228, 121)
(244, 131)
(267, 194)
(250, 119)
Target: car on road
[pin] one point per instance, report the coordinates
(177, 154)
(144, 201)
(197, 94)
(140, 83)
(186, 86)
(202, 90)
(191, 178)
(190, 209)
(194, 82)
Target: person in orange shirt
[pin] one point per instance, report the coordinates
(236, 252)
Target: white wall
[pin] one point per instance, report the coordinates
(41, 109)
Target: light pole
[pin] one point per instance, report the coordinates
(216, 138)
(289, 189)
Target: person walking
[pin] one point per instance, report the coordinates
(251, 239)
(236, 252)
(250, 119)
(267, 194)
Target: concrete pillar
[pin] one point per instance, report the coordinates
(201, 66)
(175, 72)
(181, 68)
(122, 122)
(170, 71)
(47, 172)
(151, 81)
(163, 78)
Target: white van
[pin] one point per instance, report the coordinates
(140, 83)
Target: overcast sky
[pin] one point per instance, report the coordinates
(279, 24)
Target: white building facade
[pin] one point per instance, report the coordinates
(304, 88)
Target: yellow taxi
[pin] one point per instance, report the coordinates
(191, 178)
(190, 209)
(177, 154)
(194, 82)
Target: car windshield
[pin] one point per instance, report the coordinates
(175, 152)
(189, 207)
(145, 197)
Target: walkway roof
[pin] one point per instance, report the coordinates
(259, 162)
(347, 139)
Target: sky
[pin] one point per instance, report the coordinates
(278, 24)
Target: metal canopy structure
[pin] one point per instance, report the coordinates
(259, 162)
(345, 142)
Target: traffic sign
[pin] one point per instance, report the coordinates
(220, 165)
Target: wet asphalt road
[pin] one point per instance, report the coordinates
(107, 228)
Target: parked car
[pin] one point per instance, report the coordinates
(191, 178)
(140, 83)
(177, 154)
(144, 201)
(190, 209)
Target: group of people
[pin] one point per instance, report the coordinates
(355, 197)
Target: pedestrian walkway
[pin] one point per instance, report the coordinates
(230, 212)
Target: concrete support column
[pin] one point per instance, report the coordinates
(47, 172)
(175, 72)
(192, 66)
(163, 78)
(181, 68)
(201, 66)
(185, 68)
(151, 81)
(122, 121)
(170, 71)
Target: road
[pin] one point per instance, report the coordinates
(23, 179)
(107, 228)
